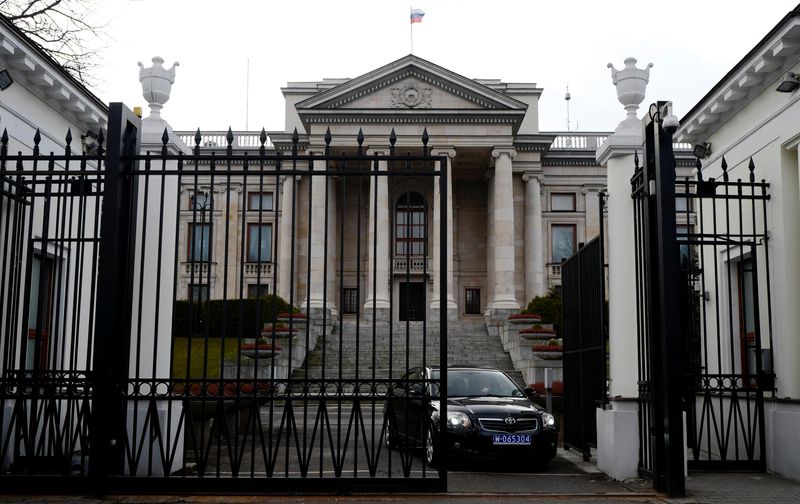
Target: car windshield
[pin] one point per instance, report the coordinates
(478, 383)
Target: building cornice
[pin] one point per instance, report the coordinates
(45, 77)
(756, 72)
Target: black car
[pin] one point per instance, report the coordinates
(488, 417)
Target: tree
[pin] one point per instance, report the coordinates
(62, 28)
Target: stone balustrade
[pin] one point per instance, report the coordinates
(217, 139)
(413, 264)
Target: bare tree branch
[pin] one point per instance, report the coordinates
(62, 29)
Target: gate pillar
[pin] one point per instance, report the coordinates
(617, 423)
(617, 455)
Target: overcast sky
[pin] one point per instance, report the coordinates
(692, 44)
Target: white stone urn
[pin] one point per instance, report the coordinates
(156, 84)
(631, 83)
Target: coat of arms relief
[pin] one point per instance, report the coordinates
(411, 95)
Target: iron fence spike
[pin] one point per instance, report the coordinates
(165, 137)
(68, 138)
(360, 137)
(392, 138)
(229, 136)
(295, 137)
(263, 136)
(328, 136)
(37, 137)
(197, 137)
(425, 137)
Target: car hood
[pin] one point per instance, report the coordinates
(493, 406)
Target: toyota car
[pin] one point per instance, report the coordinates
(488, 417)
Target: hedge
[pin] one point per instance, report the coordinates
(218, 318)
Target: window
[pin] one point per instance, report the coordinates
(255, 291)
(747, 325)
(563, 241)
(259, 242)
(562, 202)
(681, 204)
(198, 292)
(410, 225)
(259, 201)
(199, 242)
(350, 301)
(472, 301)
(200, 201)
(682, 236)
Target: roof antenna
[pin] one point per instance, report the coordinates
(567, 98)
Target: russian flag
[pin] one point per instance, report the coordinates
(416, 15)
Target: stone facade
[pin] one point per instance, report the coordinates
(513, 190)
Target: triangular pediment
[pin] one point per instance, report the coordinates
(411, 83)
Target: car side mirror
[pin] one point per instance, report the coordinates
(530, 392)
(416, 389)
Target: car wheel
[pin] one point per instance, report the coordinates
(431, 455)
(389, 436)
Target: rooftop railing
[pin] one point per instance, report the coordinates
(217, 139)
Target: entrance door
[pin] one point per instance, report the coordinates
(412, 301)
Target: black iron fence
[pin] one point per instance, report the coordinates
(132, 352)
(701, 258)
(585, 343)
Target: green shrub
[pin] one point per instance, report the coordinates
(548, 307)
(217, 318)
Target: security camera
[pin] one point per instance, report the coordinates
(670, 124)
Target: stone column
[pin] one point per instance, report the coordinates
(316, 288)
(534, 260)
(452, 307)
(593, 217)
(284, 262)
(378, 252)
(503, 223)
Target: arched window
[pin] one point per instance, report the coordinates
(410, 225)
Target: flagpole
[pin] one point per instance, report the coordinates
(411, 27)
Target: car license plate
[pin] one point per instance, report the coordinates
(511, 439)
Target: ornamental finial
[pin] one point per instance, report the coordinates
(156, 84)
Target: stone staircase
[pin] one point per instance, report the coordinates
(468, 343)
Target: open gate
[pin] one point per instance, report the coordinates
(133, 357)
(585, 338)
(701, 253)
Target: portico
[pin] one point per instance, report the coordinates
(485, 131)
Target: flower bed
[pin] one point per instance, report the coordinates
(222, 389)
(260, 350)
(525, 318)
(558, 388)
(548, 352)
(280, 331)
(296, 316)
(538, 330)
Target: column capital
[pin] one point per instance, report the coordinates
(443, 151)
(530, 177)
(504, 150)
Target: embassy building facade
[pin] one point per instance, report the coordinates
(513, 191)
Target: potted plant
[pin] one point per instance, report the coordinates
(550, 350)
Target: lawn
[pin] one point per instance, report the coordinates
(212, 357)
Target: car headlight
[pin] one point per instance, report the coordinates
(457, 420)
(548, 420)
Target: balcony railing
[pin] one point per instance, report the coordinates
(198, 269)
(413, 264)
(217, 139)
(554, 270)
(263, 269)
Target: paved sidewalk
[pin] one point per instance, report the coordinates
(569, 479)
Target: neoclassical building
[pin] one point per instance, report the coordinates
(520, 201)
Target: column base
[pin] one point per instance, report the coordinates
(452, 309)
(618, 440)
(378, 311)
